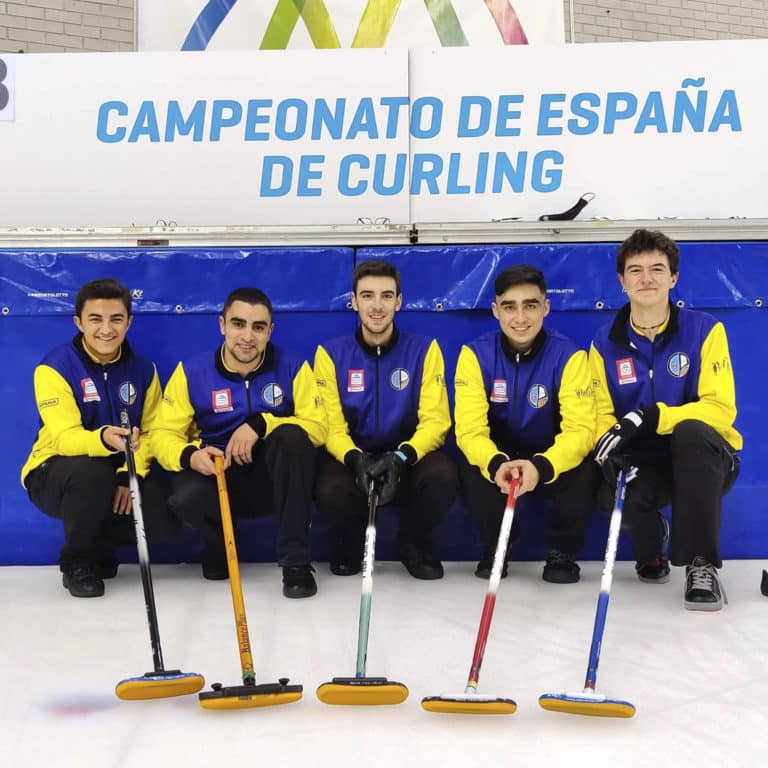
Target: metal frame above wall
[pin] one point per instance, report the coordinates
(384, 234)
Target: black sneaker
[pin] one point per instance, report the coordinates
(420, 562)
(81, 581)
(215, 570)
(703, 590)
(656, 571)
(298, 581)
(560, 568)
(484, 567)
(106, 569)
(346, 559)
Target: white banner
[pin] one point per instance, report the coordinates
(7, 86)
(173, 25)
(654, 130)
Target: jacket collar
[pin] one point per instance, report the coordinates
(376, 350)
(266, 364)
(511, 354)
(126, 353)
(620, 335)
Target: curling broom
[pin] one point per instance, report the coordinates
(362, 690)
(248, 694)
(162, 682)
(588, 702)
(471, 702)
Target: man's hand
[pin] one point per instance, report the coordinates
(388, 470)
(517, 468)
(121, 504)
(240, 446)
(202, 460)
(617, 437)
(114, 437)
(360, 463)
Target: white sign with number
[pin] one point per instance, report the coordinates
(7, 78)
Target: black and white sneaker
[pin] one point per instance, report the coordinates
(703, 590)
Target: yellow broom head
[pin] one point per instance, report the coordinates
(469, 704)
(586, 703)
(249, 696)
(155, 685)
(362, 691)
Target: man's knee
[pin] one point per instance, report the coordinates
(290, 439)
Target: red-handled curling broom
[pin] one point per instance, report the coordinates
(471, 702)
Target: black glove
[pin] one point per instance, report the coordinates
(361, 463)
(638, 422)
(388, 472)
(613, 464)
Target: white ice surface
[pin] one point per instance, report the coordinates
(699, 681)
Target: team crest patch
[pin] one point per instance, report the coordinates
(127, 393)
(625, 371)
(678, 364)
(356, 381)
(399, 379)
(221, 400)
(499, 392)
(538, 396)
(272, 395)
(90, 393)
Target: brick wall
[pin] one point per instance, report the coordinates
(617, 20)
(43, 26)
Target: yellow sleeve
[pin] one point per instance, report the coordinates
(473, 433)
(174, 423)
(152, 399)
(577, 416)
(338, 441)
(308, 410)
(604, 408)
(434, 413)
(62, 419)
(716, 405)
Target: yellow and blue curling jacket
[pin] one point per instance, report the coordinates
(538, 405)
(204, 403)
(383, 398)
(684, 373)
(77, 397)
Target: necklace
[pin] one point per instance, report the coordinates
(648, 327)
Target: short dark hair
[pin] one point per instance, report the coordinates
(375, 268)
(249, 296)
(104, 288)
(644, 240)
(519, 274)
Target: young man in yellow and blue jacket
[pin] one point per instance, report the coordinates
(666, 404)
(76, 470)
(387, 404)
(256, 405)
(525, 408)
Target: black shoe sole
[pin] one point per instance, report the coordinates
(299, 592)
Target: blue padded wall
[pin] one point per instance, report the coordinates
(447, 294)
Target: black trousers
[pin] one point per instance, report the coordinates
(79, 490)
(571, 496)
(425, 494)
(692, 470)
(279, 480)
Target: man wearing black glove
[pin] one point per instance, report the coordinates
(668, 371)
(387, 405)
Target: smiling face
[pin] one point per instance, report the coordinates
(376, 300)
(521, 310)
(647, 279)
(246, 329)
(103, 323)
